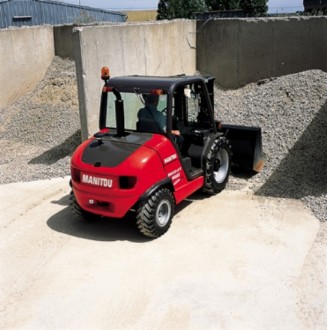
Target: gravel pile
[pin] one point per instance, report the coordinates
(40, 131)
(292, 113)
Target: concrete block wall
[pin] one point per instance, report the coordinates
(25, 55)
(63, 41)
(240, 51)
(163, 48)
(235, 51)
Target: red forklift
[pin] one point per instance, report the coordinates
(135, 164)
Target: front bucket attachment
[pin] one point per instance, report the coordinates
(246, 145)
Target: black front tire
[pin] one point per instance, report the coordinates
(154, 216)
(217, 166)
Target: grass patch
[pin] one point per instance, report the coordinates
(141, 15)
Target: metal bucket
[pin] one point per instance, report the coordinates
(246, 143)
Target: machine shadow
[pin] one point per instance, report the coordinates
(102, 229)
(60, 151)
(303, 172)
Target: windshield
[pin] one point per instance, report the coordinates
(133, 103)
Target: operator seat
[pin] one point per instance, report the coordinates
(148, 126)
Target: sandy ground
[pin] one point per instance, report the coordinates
(232, 261)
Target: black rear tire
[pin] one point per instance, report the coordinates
(78, 211)
(217, 166)
(154, 216)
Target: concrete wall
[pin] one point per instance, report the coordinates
(63, 41)
(25, 55)
(235, 51)
(240, 51)
(163, 48)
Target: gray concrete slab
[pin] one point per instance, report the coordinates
(165, 48)
(232, 261)
(240, 51)
(25, 55)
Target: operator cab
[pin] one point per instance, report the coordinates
(162, 105)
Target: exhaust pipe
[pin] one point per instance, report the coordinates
(120, 119)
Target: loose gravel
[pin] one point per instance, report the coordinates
(292, 113)
(39, 132)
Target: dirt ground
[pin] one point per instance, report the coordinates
(231, 261)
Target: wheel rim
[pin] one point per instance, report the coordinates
(221, 166)
(163, 213)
